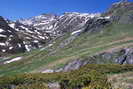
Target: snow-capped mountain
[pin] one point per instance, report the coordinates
(41, 22)
(56, 25)
(27, 34)
(16, 37)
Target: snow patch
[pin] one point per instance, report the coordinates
(48, 71)
(3, 50)
(41, 37)
(19, 45)
(2, 44)
(36, 41)
(107, 17)
(2, 35)
(13, 60)
(17, 29)
(26, 29)
(10, 48)
(75, 32)
(12, 25)
(27, 48)
(1, 30)
(50, 45)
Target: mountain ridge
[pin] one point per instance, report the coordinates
(81, 51)
(45, 27)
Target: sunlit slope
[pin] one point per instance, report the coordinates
(114, 36)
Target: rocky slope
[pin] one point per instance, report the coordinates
(95, 46)
(16, 37)
(27, 34)
(122, 56)
(120, 13)
(68, 41)
(54, 24)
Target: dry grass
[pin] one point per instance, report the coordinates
(121, 81)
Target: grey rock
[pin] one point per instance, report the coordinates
(95, 24)
(123, 56)
(127, 57)
(54, 85)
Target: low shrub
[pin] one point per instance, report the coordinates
(91, 76)
(32, 86)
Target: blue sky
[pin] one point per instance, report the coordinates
(15, 9)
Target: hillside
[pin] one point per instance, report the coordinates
(71, 51)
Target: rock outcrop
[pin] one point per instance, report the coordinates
(123, 56)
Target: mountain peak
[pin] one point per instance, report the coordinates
(121, 2)
(48, 14)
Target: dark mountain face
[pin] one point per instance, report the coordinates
(16, 37)
(121, 12)
(122, 5)
(9, 39)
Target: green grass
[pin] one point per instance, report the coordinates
(87, 44)
(121, 80)
(92, 76)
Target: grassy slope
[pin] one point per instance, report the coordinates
(112, 37)
(122, 80)
(91, 76)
